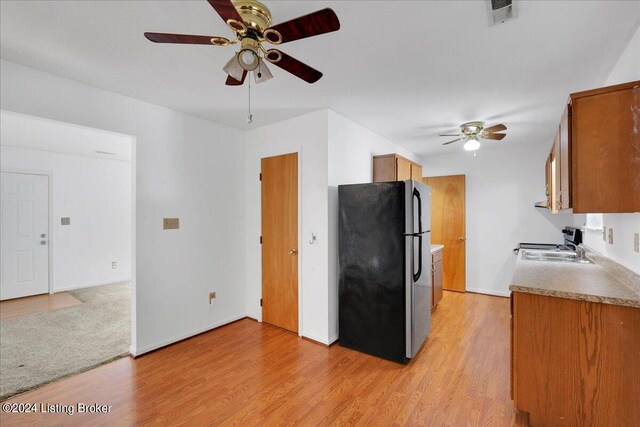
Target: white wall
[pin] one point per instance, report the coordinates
(332, 150)
(306, 135)
(502, 184)
(185, 167)
(624, 225)
(350, 161)
(351, 148)
(96, 194)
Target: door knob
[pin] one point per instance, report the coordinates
(461, 239)
(43, 242)
(43, 235)
(293, 251)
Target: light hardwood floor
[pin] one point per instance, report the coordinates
(248, 373)
(36, 304)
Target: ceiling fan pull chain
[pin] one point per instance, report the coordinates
(250, 116)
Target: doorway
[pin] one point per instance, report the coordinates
(279, 182)
(25, 225)
(448, 227)
(67, 230)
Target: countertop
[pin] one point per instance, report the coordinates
(585, 282)
(436, 248)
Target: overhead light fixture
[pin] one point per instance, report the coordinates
(234, 69)
(262, 73)
(472, 143)
(248, 59)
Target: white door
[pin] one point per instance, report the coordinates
(24, 231)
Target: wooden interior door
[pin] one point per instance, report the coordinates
(448, 227)
(280, 241)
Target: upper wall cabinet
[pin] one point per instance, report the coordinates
(392, 167)
(594, 164)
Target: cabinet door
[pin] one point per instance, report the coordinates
(564, 201)
(555, 175)
(433, 294)
(547, 181)
(403, 169)
(384, 169)
(437, 282)
(416, 172)
(604, 144)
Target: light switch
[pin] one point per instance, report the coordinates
(65, 220)
(171, 223)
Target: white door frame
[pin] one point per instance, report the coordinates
(49, 176)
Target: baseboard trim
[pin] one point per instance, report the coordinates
(505, 294)
(318, 340)
(73, 288)
(152, 347)
(314, 341)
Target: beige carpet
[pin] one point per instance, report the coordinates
(40, 348)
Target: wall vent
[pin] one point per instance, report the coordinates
(501, 11)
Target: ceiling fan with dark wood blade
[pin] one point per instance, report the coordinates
(471, 131)
(250, 20)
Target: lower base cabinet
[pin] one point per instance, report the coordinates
(436, 278)
(575, 363)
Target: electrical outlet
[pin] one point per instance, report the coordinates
(611, 236)
(114, 264)
(171, 223)
(636, 242)
(212, 296)
(604, 233)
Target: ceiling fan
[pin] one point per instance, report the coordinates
(471, 131)
(250, 20)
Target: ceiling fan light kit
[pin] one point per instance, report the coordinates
(251, 22)
(472, 144)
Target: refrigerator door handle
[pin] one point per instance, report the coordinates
(417, 274)
(416, 194)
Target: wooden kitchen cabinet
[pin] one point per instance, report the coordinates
(575, 362)
(554, 160)
(393, 167)
(547, 181)
(436, 278)
(595, 157)
(564, 174)
(416, 172)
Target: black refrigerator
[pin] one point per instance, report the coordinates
(385, 268)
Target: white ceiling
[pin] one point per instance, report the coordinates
(19, 130)
(406, 70)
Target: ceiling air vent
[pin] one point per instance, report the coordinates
(501, 11)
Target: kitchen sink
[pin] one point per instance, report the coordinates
(557, 256)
